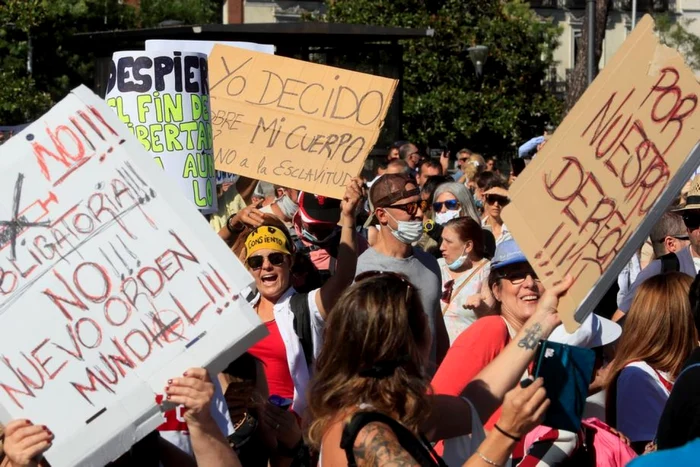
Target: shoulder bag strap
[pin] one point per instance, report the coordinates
(455, 293)
(407, 440)
(299, 303)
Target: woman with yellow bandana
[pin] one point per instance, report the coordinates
(267, 249)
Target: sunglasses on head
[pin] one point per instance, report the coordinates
(450, 205)
(371, 274)
(518, 276)
(691, 220)
(502, 200)
(412, 207)
(256, 262)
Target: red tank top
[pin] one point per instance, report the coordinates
(272, 353)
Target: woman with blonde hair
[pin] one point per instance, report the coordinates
(658, 336)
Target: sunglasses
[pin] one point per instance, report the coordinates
(450, 204)
(463, 159)
(502, 200)
(256, 262)
(518, 276)
(371, 274)
(412, 207)
(691, 221)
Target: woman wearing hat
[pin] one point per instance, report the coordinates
(517, 291)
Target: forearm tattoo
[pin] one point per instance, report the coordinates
(376, 445)
(531, 338)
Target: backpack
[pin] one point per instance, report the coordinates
(670, 263)
(602, 447)
(299, 303)
(420, 449)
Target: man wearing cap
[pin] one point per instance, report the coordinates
(396, 205)
(685, 259)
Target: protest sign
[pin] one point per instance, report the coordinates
(292, 123)
(593, 192)
(163, 98)
(109, 284)
(205, 47)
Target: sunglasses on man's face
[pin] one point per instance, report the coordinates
(463, 159)
(691, 220)
(450, 205)
(502, 200)
(256, 262)
(518, 276)
(411, 208)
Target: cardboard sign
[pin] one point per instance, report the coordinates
(594, 191)
(109, 284)
(205, 47)
(292, 123)
(163, 98)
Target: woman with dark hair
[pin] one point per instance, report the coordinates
(464, 275)
(370, 399)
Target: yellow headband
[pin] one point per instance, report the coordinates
(266, 238)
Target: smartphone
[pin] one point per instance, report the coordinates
(281, 402)
(567, 372)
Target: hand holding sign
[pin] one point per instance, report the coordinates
(25, 442)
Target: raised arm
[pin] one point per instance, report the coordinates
(245, 187)
(347, 251)
(195, 391)
(489, 387)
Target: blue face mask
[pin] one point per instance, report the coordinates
(478, 203)
(459, 262)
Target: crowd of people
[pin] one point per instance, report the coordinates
(404, 322)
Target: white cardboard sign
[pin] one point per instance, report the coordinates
(110, 284)
(163, 98)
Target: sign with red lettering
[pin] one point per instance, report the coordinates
(292, 123)
(593, 192)
(111, 283)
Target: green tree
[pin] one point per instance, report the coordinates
(444, 100)
(675, 33)
(38, 66)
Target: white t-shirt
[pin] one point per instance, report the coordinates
(696, 262)
(641, 397)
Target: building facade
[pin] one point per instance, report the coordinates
(268, 11)
(570, 16)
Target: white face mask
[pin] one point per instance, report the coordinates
(407, 232)
(443, 218)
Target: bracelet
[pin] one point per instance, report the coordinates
(487, 460)
(238, 228)
(506, 434)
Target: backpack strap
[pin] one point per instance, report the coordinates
(670, 263)
(299, 303)
(422, 453)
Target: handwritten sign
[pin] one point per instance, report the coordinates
(293, 123)
(163, 98)
(109, 284)
(621, 155)
(205, 47)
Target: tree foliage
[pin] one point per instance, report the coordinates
(444, 100)
(42, 28)
(675, 33)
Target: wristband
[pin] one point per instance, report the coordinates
(238, 228)
(505, 433)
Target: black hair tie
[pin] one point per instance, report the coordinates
(384, 368)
